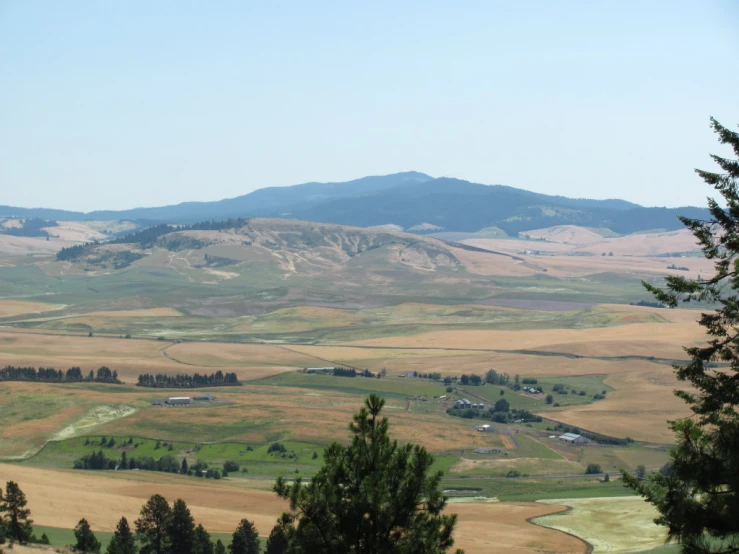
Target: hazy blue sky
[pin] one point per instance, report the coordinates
(140, 103)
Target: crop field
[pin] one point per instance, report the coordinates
(609, 524)
(268, 310)
(59, 499)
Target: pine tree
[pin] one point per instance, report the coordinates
(277, 542)
(202, 544)
(698, 499)
(86, 540)
(123, 540)
(181, 528)
(183, 467)
(245, 539)
(370, 497)
(220, 548)
(151, 527)
(17, 525)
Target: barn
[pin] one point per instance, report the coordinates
(178, 401)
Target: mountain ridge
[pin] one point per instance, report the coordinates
(408, 199)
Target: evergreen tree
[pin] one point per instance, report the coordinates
(2, 519)
(17, 525)
(220, 548)
(698, 499)
(183, 467)
(373, 496)
(123, 540)
(151, 527)
(245, 539)
(202, 543)
(277, 542)
(86, 540)
(181, 528)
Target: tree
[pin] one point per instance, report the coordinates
(245, 539)
(592, 469)
(641, 472)
(202, 543)
(549, 399)
(86, 540)
(181, 528)
(123, 540)
(17, 525)
(183, 467)
(151, 527)
(372, 496)
(698, 499)
(277, 542)
(220, 549)
(502, 405)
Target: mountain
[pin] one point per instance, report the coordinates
(409, 200)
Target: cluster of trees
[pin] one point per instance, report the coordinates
(350, 372)
(146, 238)
(51, 375)
(160, 380)
(501, 412)
(31, 227)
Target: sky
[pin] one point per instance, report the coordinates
(114, 105)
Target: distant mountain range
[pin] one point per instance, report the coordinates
(408, 200)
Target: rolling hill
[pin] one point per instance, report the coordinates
(411, 200)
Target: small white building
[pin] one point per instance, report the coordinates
(572, 438)
(484, 428)
(207, 397)
(178, 401)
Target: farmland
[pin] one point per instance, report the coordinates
(401, 308)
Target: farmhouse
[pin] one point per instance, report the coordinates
(572, 438)
(178, 401)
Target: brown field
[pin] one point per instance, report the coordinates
(131, 357)
(680, 333)
(10, 308)
(639, 406)
(61, 498)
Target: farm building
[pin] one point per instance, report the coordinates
(207, 397)
(485, 428)
(178, 401)
(572, 438)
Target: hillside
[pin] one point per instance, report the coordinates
(412, 201)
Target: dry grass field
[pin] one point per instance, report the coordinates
(61, 498)
(131, 357)
(11, 308)
(610, 524)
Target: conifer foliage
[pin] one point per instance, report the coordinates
(16, 525)
(698, 499)
(372, 497)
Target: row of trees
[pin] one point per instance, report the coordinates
(51, 375)
(160, 380)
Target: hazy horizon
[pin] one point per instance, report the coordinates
(117, 106)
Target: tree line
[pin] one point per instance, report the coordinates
(196, 380)
(146, 238)
(50, 375)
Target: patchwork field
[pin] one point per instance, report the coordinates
(273, 297)
(60, 499)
